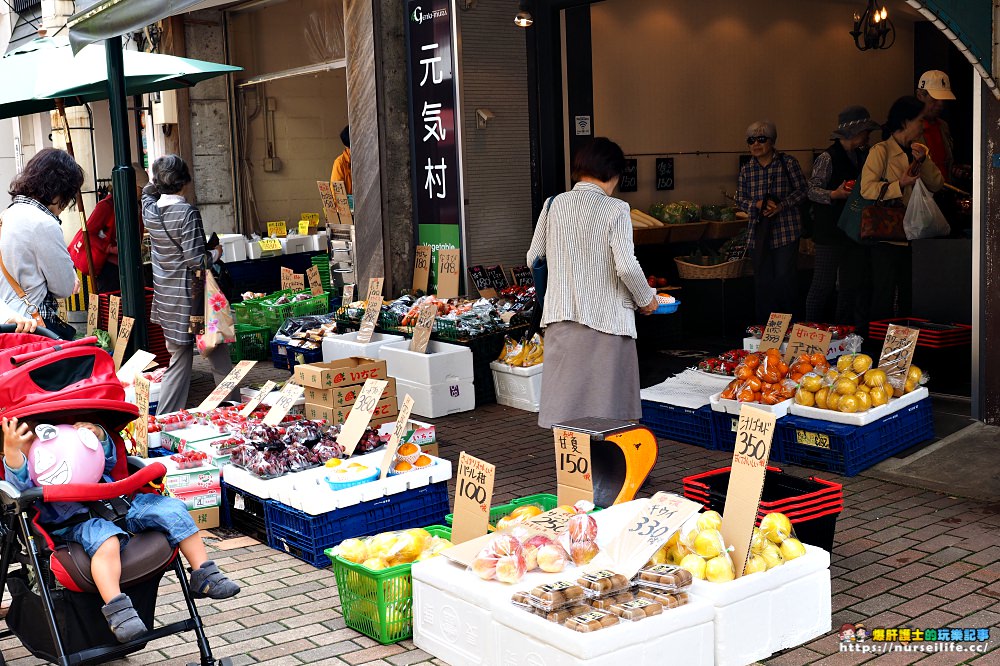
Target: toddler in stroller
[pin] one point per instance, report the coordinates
(102, 538)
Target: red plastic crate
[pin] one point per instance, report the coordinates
(702, 487)
(933, 335)
(157, 344)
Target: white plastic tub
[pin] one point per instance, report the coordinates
(719, 404)
(295, 244)
(861, 418)
(336, 347)
(443, 362)
(437, 400)
(234, 247)
(518, 387)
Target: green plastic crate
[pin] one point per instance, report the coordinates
(253, 343)
(274, 316)
(544, 500)
(317, 305)
(379, 604)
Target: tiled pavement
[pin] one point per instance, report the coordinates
(903, 557)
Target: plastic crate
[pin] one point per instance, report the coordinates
(379, 604)
(252, 344)
(848, 450)
(244, 512)
(724, 435)
(932, 335)
(315, 305)
(286, 358)
(544, 500)
(680, 424)
(306, 537)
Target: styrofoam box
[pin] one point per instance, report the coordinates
(253, 250)
(234, 247)
(346, 345)
(792, 601)
(837, 347)
(733, 406)
(154, 394)
(437, 400)
(861, 418)
(317, 242)
(295, 244)
(443, 362)
(518, 387)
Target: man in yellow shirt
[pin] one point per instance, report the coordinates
(342, 165)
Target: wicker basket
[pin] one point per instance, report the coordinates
(693, 271)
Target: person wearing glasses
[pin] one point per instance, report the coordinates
(771, 187)
(32, 247)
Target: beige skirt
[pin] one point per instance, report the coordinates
(588, 373)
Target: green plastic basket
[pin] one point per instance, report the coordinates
(317, 305)
(274, 316)
(544, 500)
(379, 604)
(253, 343)
(253, 311)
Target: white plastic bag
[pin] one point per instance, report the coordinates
(923, 218)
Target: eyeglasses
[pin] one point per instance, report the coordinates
(757, 139)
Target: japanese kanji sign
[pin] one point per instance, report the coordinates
(897, 355)
(473, 496)
(804, 340)
(774, 332)
(141, 437)
(573, 472)
(227, 385)
(421, 267)
(651, 528)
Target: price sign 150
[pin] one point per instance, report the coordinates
(572, 463)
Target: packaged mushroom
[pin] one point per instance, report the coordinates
(665, 577)
(666, 599)
(553, 596)
(604, 583)
(639, 609)
(592, 621)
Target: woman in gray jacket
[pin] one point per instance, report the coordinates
(595, 285)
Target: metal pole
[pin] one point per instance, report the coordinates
(126, 204)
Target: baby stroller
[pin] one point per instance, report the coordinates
(55, 609)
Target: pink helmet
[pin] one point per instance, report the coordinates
(63, 454)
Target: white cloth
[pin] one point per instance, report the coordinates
(690, 389)
(34, 252)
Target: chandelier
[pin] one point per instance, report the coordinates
(873, 29)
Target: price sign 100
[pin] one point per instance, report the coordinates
(473, 491)
(574, 464)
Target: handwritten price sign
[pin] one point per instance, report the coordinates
(897, 355)
(142, 423)
(573, 470)
(663, 515)
(774, 332)
(361, 414)
(123, 337)
(329, 202)
(422, 332)
(373, 306)
(264, 391)
(473, 496)
(447, 283)
(269, 245)
(93, 312)
(286, 400)
(277, 229)
(114, 313)
(421, 267)
(397, 434)
(804, 340)
(227, 385)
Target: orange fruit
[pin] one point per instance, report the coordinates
(817, 359)
(403, 466)
(751, 361)
(422, 461)
(407, 449)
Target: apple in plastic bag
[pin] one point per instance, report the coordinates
(510, 568)
(531, 547)
(551, 558)
(582, 527)
(583, 552)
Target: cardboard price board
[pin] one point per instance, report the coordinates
(286, 400)
(342, 202)
(373, 307)
(421, 267)
(348, 294)
(746, 481)
(315, 281)
(139, 362)
(641, 537)
(141, 433)
(329, 202)
(448, 263)
(277, 229)
(805, 340)
(227, 385)
(552, 524)
(482, 281)
(93, 313)
(121, 344)
(286, 278)
(422, 331)
(897, 355)
(297, 282)
(257, 399)
(573, 470)
(497, 277)
(397, 434)
(473, 497)
(774, 332)
(522, 276)
(269, 245)
(361, 415)
(114, 313)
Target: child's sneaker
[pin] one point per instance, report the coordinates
(208, 581)
(125, 623)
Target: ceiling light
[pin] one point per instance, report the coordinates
(873, 29)
(523, 18)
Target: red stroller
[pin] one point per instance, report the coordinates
(55, 609)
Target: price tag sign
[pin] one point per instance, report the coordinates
(421, 268)
(774, 333)
(297, 282)
(746, 481)
(551, 523)
(804, 340)
(522, 276)
(373, 306)
(114, 313)
(277, 229)
(62, 308)
(897, 355)
(269, 245)
(342, 202)
(286, 278)
(661, 517)
(448, 262)
(573, 471)
(483, 282)
(361, 414)
(473, 496)
(255, 401)
(303, 227)
(311, 218)
(329, 202)
(139, 362)
(497, 277)
(124, 333)
(141, 432)
(289, 395)
(397, 434)
(422, 331)
(315, 282)
(93, 313)
(227, 385)
(348, 296)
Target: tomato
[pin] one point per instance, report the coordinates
(651, 281)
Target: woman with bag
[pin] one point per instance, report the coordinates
(594, 285)
(892, 169)
(34, 260)
(180, 265)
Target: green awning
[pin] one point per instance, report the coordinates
(969, 25)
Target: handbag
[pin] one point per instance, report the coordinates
(99, 247)
(219, 326)
(883, 221)
(540, 269)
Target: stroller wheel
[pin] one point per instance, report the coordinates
(225, 661)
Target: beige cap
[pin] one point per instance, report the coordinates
(936, 84)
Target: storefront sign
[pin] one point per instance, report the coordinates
(573, 470)
(289, 395)
(482, 281)
(432, 70)
(264, 391)
(227, 385)
(522, 276)
(630, 177)
(447, 284)
(422, 331)
(93, 313)
(121, 344)
(373, 307)
(342, 202)
(664, 173)
(114, 313)
(651, 528)
(397, 434)
(897, 355)
(141, 433)
(804, 340)
(361, 414)
(496, 276)
(329, 202)
(746, 481)
(774, 332)
(421, 268)
(473, 497)
(315, 281)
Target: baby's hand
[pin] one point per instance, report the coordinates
(17, 438)
(96, 429)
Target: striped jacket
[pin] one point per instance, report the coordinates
(594, 277)
(172, 300)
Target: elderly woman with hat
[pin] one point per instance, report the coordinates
(838, 258)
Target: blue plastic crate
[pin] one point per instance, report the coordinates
(245, 512)
(724, 435)
(286, 358)
(306, 537)
(681, 424)
(848, 450)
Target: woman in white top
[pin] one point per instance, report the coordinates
(595, 285)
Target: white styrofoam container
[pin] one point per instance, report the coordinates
(837, 347)
(234, 247)
(317, 242)
(346, 345)
(437, 400)
(295, 244)
(733, 406)
(861, 418)
(443, 362)
(792, 601)
(518, 387)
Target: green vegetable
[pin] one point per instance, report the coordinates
(103, 340)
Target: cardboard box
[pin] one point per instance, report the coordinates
(385, 409)
(200, 499)
(343, 396)
(179, 440)
(206, 519)
(343, 372)
(189, 480)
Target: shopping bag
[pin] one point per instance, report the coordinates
(219, 326)
(923, 218)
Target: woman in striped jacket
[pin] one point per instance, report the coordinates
(595, 285)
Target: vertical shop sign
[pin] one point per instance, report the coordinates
(434, 125)
(664, 173)
(630, 177)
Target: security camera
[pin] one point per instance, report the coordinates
(483, 116)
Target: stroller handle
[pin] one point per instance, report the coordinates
(41, 331)
(91, 492)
